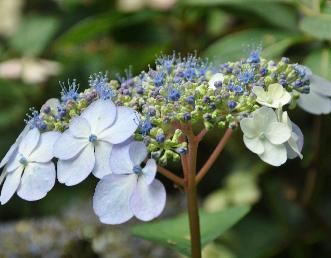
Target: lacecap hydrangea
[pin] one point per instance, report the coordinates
(114, 126)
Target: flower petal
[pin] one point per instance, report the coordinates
(250, 128)
(79, 127)
(148, 201)
(38, 179)
(314, 103)
(320, 85)
(254, 145)
(111, 198)
(29, 142)
(67, 146)
(295, 143)
(278, 133)
(137, 152)
(264, 115)
(100, 115)
(9, 155)
(73, 171)
(149, 171)
(125, 125)
(120, 162)
(44, 150)
(10, 185)
(275, 91)
(274, 155)
(260, 93)
(102, 159)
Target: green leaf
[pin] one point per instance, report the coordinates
(222, 2)
(237, 45)
(282, 15)
(92, 27)
(317, 26)
(174, 233)
(34, 34)
(319, 61)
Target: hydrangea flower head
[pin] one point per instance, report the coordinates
(131, 190)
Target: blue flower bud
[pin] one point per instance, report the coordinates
(160, 138)
(174, 95)
(190, 100)
(187, 116)
(232, 104)
(181, 150)
(254, 57)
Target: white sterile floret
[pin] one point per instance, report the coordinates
(295, 143)
(216, 78)
(86, 146)
(274, 97)
(131, 190)
(317, 101)
(265, 136)
(32, 156)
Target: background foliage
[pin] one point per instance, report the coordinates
(42, 42)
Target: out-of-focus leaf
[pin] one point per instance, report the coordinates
(267, 240)
(319, 61)
(95, 26)
(237, 45)
(220, 2)
(217, 22)
(12, 103)
(317, 26)
(174, 233)
(34, 34)
(282, 15)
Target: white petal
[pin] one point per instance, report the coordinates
(79, 127)
(148, 201)
(137, 152)
(10, 185)
(314, 103)
(264, 115)
(102, 159)
(38, 179)
(278, 133)
(67, 146)
(320, 85)
(14, 163)
(250, 128)
(120, 161)
(254, 144)
(29, 142)
(111, 198)
(73, 171)
(9, 155)
(100, 115)
(295, 143)
(215, 78)
(52, 103)
(260, 93)
(149, 171)
(44, 150)
(125, 125)
(275, 91)
(274, 155)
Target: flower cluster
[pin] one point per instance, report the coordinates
(113, 126)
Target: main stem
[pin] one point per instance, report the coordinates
(191, 193)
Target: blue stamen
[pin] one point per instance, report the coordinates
(93, 138)
(137, 169)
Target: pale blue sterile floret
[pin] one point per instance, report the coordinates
(130, 190)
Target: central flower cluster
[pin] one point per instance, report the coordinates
(179, 90)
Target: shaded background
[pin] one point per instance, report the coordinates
(44, 42)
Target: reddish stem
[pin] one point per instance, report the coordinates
(170, 175)
(211, 160)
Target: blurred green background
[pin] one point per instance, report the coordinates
(44, 42)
